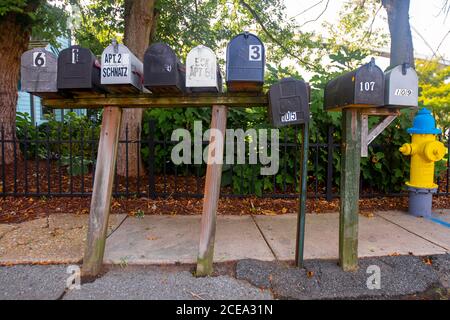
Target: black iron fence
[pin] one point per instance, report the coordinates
(61, 162)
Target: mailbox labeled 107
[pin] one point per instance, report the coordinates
(363, 87)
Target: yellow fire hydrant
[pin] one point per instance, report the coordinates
(424, 150)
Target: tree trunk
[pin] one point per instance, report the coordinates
(401, 40)
(14, 39)
(139, 20)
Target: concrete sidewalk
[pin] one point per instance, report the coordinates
(174, 239)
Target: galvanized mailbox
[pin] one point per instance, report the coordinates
(79, 71)
(202, 71)
(363, 87)
(289, 102)
(38, 70)
(401, 87)
(245, 63)
(163, 71)
(121, 69)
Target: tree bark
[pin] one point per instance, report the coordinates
(139, 21)
(402, 50)
(14, 39)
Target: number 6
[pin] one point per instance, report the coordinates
(39, 59)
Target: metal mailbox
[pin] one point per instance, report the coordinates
(163, 71)
(363, 87)
(38, 70)
(401, 87)
(79, 71)
(121, 70)
(289, 102)
(245, 63)
(202, 71)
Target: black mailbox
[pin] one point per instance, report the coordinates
(79, 71)
(363, 87)
(163, 71)
(245, 63)
(38, 71)
(289, 102)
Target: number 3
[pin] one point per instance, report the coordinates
(254, 53)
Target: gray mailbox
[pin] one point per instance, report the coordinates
(401, 87)
(38, 70)
(363, 87)
(245, 63)
(163, 71)
(202, 71)
(289, 102)
(121, 70)
(79, 71)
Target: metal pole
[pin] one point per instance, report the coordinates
(300, 243)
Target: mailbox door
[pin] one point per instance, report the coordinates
(202, 70)
(39, 72)
(402, 86)
(369, 86)
(245, 63)
(163, 72)
(289, 102)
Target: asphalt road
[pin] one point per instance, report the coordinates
(400, 276)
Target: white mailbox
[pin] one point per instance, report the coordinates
(402, 87)
(202, 71)
(121, 70)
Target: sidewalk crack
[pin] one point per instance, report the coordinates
(412, 232)
(264, 237)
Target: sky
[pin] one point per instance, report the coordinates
(425, 23)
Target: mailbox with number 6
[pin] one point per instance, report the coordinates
(401, 87)
(363, 87)
(289, 102)
(121, 70)
(245, 63)
(39, 73)
(202, 71)
(79, 71)
(163, 71)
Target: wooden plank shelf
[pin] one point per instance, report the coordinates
(93, 101)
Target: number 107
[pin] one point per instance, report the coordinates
(367, 86)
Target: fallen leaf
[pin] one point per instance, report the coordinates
(394, 254)
(367, 214)
(310, 274)
(268, 212)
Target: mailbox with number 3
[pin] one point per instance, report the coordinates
(39, 73)
(245, 63)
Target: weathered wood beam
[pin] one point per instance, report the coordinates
(151, 101)
(349, 201)
(102, 192)
(212, 192)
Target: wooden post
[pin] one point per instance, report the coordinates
(300, 244)
(212, 194)
(102, 191)
(349, 206)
